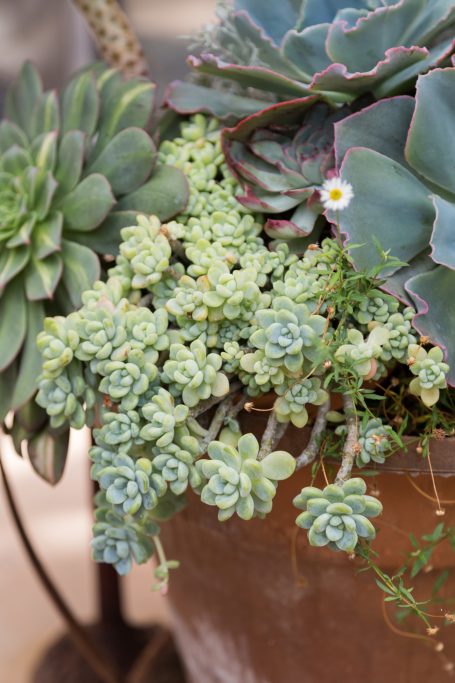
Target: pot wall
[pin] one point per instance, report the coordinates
(244, 614)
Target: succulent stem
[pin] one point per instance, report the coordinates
(273, 433)
(311, 450)
(349, 450)
(114, 36)
(203, 406)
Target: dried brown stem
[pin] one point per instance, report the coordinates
(114, 36)
(352, 436)
(310, 452)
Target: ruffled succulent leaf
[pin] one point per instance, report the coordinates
(323, 47)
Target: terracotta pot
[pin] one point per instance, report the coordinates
(252, 604)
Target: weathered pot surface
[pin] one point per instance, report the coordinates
(254, 605)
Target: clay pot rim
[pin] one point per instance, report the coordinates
(442, 454)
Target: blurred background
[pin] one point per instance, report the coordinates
(54, 36)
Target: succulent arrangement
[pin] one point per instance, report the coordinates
(199, 317)
(298, 263)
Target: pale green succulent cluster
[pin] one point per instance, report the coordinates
(119, 542)
(337, 516)
(307, 279)
(199, 315)
(237, 482)
(197, 152)
(430, 371)
(295, 396)
(193, 374)
(374, 442)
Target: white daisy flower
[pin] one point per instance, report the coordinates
(336, 194)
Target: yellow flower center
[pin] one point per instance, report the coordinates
(335, 194)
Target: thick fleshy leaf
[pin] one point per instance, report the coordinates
(46, 116)
(250, 76)
(81, 269)
(443, 237)
(278, 465)
(47, 235)
(69, 162)
(106, 238)
(126, 161)
(88, 204)
(164, 195)
(80, 104)
(15, 160)
(382, 127)
(403, 80)
(30, 362)
(128, 104)
(45, 189)
(11, 134)
(406, 211)
(47, 452)
(7, 379)
(429, 149)
(12, 261)
(41, 277)
(307, 48)
(361, 44)
(190, 98)
(44, 150)
(275, 18)
(433, 294)
(13, 317)
(22, 96)
(338, 79)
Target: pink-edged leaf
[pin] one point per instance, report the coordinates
(337, 77)
(300, 224)
(249, 76)
(189, 98)
(396, 83)
(361, 44)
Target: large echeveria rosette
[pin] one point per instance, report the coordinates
(299, 47)
(73, 170)
(399, 156)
